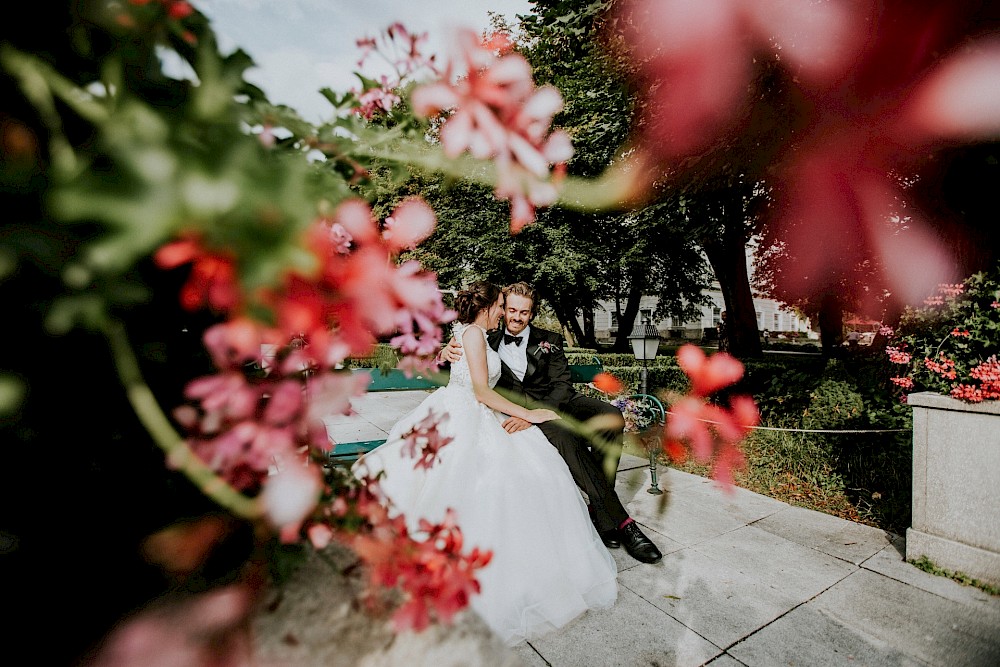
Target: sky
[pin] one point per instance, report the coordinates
(300, 46)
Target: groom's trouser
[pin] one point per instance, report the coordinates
(585, 463)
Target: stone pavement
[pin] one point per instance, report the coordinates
(749, 580)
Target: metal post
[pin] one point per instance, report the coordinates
(654, 487)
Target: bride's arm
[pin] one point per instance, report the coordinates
(475, 355)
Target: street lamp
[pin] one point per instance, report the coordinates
(645, 344)
(645, 341)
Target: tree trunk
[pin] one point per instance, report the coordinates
(571, 327)
(589, 334)
(729, 262)
(626, 320)
(831, 323)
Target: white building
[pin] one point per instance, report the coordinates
(770, 316)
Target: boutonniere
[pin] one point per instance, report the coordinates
(546, 347)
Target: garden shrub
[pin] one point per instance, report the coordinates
(950, 345)
(833, 405)
(383, 356)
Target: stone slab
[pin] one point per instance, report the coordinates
(666, 546)
(890, 562)
(631, 633)
(799, 572)
(912, 621)
(528, 656)
(743, 505)
(725, 660)
(808, 637)
(832, 535)
(313, 620)
(678, 479)
(629, 461)
(355, 431)
(715, 600)
(635, 482)
(679, 517)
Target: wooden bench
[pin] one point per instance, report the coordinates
(345, 453)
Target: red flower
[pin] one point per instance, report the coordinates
(712, 432)
(424, 440)
(708, 375)
(179, 9)
(608, 383)
(436, 578)
(213, 275)
(865, 90)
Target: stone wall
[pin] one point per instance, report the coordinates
(956, 490)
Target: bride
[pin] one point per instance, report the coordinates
(512, 493)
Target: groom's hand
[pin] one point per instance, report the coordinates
(515, 424)
(453, 352)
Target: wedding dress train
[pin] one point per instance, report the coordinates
(513, 494)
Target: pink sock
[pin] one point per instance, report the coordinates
(626, 522)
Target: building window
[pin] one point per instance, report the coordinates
(645, 314)
(776, 327)
(614, 320)
(760, 320)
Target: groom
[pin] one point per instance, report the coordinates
(535, 373)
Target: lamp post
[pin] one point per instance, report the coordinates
(645, 344)
(645, 341)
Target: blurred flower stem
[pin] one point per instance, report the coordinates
(179, 455)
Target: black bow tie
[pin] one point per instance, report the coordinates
(508, 339)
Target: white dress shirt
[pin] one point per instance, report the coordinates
(516, 356)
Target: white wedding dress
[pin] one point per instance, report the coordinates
(513, 494)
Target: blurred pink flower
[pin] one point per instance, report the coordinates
(712, 432)
(290, 495)
(708, 374)
(499, 114)
(410, 223)
(855, 93)
(424, 440)
(206, 630)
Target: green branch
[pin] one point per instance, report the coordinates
(179, 455)
(612, 190)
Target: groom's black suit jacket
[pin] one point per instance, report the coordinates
(546, 379)
(547, 383)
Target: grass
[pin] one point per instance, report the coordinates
(790, 468)
(927, 565)
(807, 472)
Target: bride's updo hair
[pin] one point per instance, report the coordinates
(475, 298)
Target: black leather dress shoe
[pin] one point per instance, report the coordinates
(638, 545)
(610, 538)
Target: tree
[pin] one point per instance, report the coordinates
(635, 253)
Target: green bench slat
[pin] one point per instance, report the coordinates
(584, 373)
(396, 380)
(348, 451)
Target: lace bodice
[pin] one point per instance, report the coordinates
(460, 375)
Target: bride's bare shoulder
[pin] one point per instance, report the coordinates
(479, 335)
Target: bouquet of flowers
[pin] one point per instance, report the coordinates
(639, 413)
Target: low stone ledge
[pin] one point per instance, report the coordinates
(956, 499)
(312, 619)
